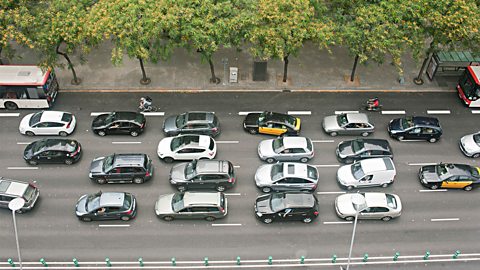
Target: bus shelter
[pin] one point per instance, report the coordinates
(450, 63)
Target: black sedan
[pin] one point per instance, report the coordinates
(287, 206)
(52, 151)
(271, 123)
(131, 123)
(353, 150)
(106, 206)
(415, 128)
(448, 175)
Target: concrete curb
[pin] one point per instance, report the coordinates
(251, 91)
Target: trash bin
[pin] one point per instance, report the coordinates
(233, 74)
(260, 71)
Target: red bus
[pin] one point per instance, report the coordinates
(469, 86)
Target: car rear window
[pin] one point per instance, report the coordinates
(127, 201)
(312, 173)
(212, 144)
(309, 145)
(29, 193)
(391, 201)
(66, 117)
(222, 201)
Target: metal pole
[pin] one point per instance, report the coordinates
(353, 237)
(16, 239)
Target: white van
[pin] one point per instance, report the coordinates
(367, 173)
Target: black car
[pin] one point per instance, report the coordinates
(448, 175)
(106, 206)
(131, 123)
(203, 123)
(358, 149)
(294, 206)
(52, 151)
(121, 168)
(271, 123)
(203, 174)
(415, 128)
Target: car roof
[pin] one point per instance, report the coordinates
(12, 187)
(426, 121)
(129, 160)
(295, 142)
(459, 169)
(295, 169)
(201, 198)
(293, 200)
(375, 144)
(125, 115)
(277, 117)
(52, 116)
(112, 199)
(55, 144)
(375, 199)
(357, 118)
(202, 141)
(377, 164)
(200, 117)
(208, 166)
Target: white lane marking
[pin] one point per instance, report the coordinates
(327, 165)
(421, 164)
(153, 113)
(476, 111)
(227, 142)
(340, 112)
(10, 114)
(433, 190)
(23, 143)
(336, 222)
(299, 112)
(97, 113)
(393, 112)
(226, 224)
(444, 219)
(245, 113)
(330, 192)
(323, 141)
(236, 166)
(438, 111)
(126, 142)
(113, 225)
(233, 194)
(22, 168)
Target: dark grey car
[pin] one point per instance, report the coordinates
(203, 123)
(358, 149)
(121, 168)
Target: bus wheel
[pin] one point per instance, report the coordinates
(11, 105)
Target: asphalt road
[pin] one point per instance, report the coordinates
(440, 222)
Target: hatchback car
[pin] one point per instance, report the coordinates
(382, 206)
(48, 123)
(470, 145)
(348, 124)
(12, 189)
(286, 176)
(271, 123)
(106, 206)
(286, 149)
(205, 123)
(203, 174)
(358, 149)
(121, 168)
(286, 206)
(448, 175)
(367, 173)
(52, 151)
(130, 123)
(415, 128)
(186, 147)
(191, 205)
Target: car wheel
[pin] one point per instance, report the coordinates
(101, 181)
(125, 218)
(11, 105)
(267, 220)
(168, 218)
(434, 186)
(168, 160)
(304, 160)
(365, 134)
(468, 188)
(63, 133)
(350, 187)
(29, 133)
(210, 218)
(476, 155)
(220, 188)
(68, 161)
(400, 138)
(333, 134)
(266, 189)
(134, 133)
(270, 160)
(384, 185)
(252, 131)
(349, 218)
(386, 218)
(32, 162)
(181, 188)
(101, 133)
(86, 219)
(138, 180)
(432, 140)
(307, 220)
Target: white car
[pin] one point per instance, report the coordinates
(378, 205)
(470, 145)
(48, 123)
(186, 147)
(286, 149)
(368, 172)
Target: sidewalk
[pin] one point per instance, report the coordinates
(310, 70)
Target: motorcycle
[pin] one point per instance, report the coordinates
(146, 105)
(372, 105)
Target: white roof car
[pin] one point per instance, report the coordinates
(186, 147)
(348, 124)
(288, 176)
(377, 205)
(48, 123)
(470, 145)
(286, 149)
(367, 173)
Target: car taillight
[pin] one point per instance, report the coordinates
(129, 212)
(49, 98)
(315, 213)
(222, 210)
(214, 129)
(211, 153)
(147, 174)
(314, 187)
(231, 180)
(143, 125)
(68, 125)
(33, 184)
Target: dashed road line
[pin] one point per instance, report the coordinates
(126, 142)
(299, 112)
(438, 112)
(421, 164)
(233, 194)
(22, 168)
(323, 141)
(226, 224)
(393, 112)
(153, 113)
(476, 111)
(98, 113)
(9, 114)
(245, 113)
(236, 166)
(327, 165)
(340, 112)
(433, 190)
(23, 143)
(330, 192)
(336, 222)
(226, 142)
(444, 219)
(114, 225)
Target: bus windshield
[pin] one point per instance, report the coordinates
(469, 87)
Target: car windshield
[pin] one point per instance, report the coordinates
(108, 163)
(312, 173)
(277, 172)
(177, 202)
(476, 138)
(191, 170)
(35, 118)
(29, 193)
(357, 171)
(277, 145)
(442, 169)
(391, 201)
(110, 118)
(407, 122)
(93, 202)
(277, 202)
(180, 121)
(342, 119)
(357, 146)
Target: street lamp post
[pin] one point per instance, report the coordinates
(14, 205)
(359, 204)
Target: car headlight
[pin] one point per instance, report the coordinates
(259, 214)
(90, 175)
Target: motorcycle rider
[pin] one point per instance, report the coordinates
(373, 103)
(145, 103)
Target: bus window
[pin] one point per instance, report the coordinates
(32, 92)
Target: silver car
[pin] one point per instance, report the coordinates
(470, 145)
(348, 124)
(286, 176)
(205, 123)
(382, 206)
(286, 149)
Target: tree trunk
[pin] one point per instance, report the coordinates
(213, 79)
(352, 76)
(285, 68)
(145, 80)
(1, 62)
(76, 80)
(418, 80)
